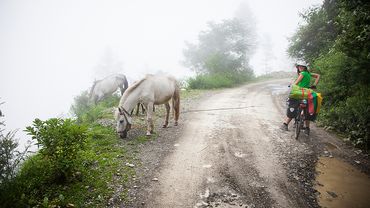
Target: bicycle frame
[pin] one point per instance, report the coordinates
(300, 117)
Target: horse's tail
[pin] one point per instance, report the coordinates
(176, 103)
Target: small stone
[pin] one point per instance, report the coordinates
(110, 201)
(130, 165)
(332, 194)
(135, 186)
(234, 195)
(70, 205)
(198, 204)
(358, 162)
(155, 179)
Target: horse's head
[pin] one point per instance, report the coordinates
(124, 122)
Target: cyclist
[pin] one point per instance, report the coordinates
(303, 80)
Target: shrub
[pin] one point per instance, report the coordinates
(211, 81)
(86, 112)
(60, 142)
(352, 117)
(80, 106)
(10, 157)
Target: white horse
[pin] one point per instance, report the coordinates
(152, 90)
(107, 86)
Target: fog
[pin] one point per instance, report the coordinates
(50, 51)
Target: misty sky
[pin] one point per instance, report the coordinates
(50, 50)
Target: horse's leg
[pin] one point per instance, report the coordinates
(137, 109)
(176, 105)
(121, 89)
(167, 105)
(149, 115)
(142, 108)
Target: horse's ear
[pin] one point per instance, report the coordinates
(119, 110)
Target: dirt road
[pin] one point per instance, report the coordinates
(230, 152)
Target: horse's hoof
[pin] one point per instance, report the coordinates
(176, 123)
(164, 125)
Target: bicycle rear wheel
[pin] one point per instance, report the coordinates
(298, 124)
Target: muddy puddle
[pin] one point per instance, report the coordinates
(341, 184)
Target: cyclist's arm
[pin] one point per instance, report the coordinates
(317, 78)
(298, 79)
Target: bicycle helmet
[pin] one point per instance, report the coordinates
(301, 63)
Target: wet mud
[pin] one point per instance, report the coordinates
(341, 185)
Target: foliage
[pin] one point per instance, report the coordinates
(10, 157)
(223, 49)
(99, 164)
(211, 81)
(336, 40)
(86, 112)
(81, 105)
(60, 141)
(349, 116)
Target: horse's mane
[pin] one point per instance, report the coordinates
(135, 85)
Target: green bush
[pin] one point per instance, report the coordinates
(352, 117)
(60, 142)
(80, 106)
(86, 112)
(212, 81)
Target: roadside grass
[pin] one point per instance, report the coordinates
(218, 80)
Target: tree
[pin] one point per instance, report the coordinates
(10, 157)
(222, 48)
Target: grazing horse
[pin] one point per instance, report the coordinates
(152, 90)
(108, 86)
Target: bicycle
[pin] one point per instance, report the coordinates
(300, 117)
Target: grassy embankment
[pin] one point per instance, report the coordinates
(99, 173)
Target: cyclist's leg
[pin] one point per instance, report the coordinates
(307, 123)
(287, 120)
(291, 112)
